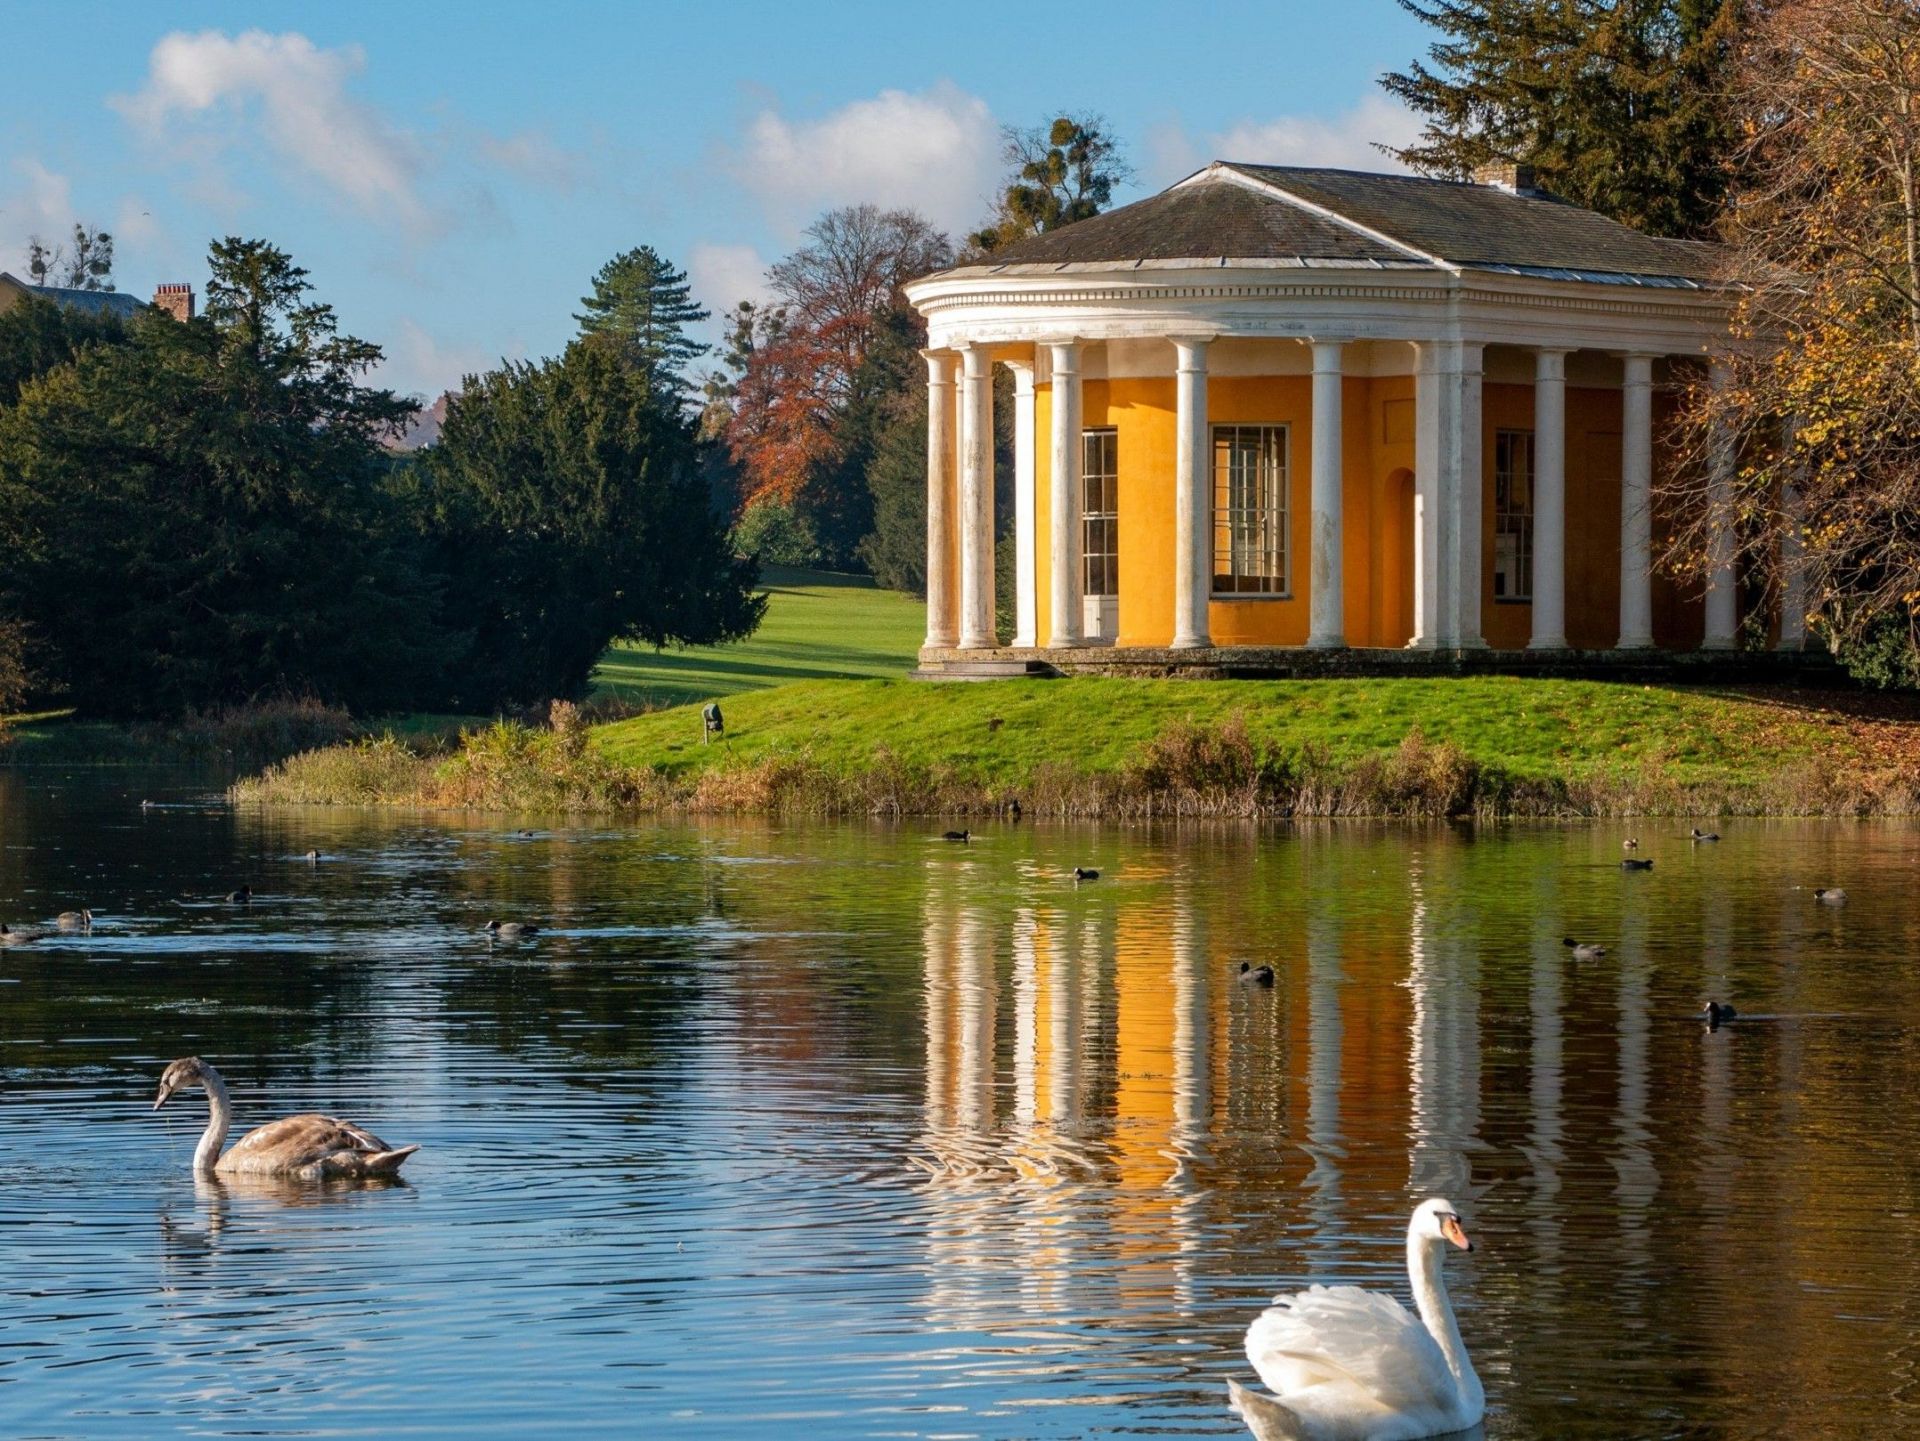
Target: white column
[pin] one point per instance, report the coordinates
(976, 498)
(1793, 573)
(1722, 588)
(1549, 501)
(1636, 503)
(1063, 551)
(1192, 496)
(1326, 621)
(1024, 533)
(1470, 494)
(941, 631)
(1427, 510)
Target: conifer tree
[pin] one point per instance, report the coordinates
(1619, 105)
(642, 304)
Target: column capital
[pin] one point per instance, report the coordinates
(976, 360)
(1192, 350)
(939, 366)
(1064, 354)
(1328, 353)
(1022, 375)
(1550, 363)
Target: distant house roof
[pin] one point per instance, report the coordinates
(1291, 215)
(96, 301)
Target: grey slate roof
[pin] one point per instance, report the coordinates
(93, 301)
(1212, 217)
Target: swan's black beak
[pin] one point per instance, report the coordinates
(165, 1096)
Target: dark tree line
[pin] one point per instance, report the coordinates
(205, 512)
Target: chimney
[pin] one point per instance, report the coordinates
(176, 300)
(1507, 176)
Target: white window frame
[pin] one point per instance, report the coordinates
(1252, 542)
(1093, 521)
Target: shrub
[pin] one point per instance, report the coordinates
(777, 533)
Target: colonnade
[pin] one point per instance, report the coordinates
(1448, 501)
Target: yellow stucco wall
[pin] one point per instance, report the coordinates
(1378, 453)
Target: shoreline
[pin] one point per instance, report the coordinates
(1145, 750)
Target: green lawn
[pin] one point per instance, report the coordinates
(817, 626)
(1000, 732)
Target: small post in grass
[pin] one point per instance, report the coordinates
(712, 723)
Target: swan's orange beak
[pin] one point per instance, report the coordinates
(1451, 1228)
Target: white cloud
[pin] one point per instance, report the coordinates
(724, 275)
(39, 202)
(418, 363)
(937, 152)
(221, 88)
(1344, 142)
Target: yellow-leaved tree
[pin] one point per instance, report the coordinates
(1821, 405)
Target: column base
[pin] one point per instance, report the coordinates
(976, 642)
(942, 642)
(1548, 642)
(1717, 643)
(1023, 642)
(1190, 642)
(1634, 642)
(1326, 642)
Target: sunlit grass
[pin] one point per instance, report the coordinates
(817, 626)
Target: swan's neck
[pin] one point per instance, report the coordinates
(208, 1151)
(1436, 1311)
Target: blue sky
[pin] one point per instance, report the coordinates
(452, 174)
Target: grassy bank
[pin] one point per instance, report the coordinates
(818, 626)
(1112, 747)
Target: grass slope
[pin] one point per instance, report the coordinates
(999, 733)
(817, 626)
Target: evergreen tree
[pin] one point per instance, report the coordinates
(642, 305)
(198, 516)
(568, 509)
(37, 335)
(1618, 105)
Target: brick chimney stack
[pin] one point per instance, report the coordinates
(1505, 175)
(176, 300)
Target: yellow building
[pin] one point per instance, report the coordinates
(1280, 407)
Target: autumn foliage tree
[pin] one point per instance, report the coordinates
(797, 431)
(1823, 403)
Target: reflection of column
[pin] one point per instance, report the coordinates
(974, 1113)
(1444, 1065)
(1326, 1043)
(941, 630)
(1636, 1177)
(1192, 497)
(1546, 1079)
(1063, 553)
(1192, 1092)
(976, 498)
(936, 945)
(1549, 501)
(1326, 593)
(1722, 596)
(1026, 1027)
(1636, 503)
(1025, 601)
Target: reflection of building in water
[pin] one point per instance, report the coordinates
(1444, 1062)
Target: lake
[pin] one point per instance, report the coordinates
(846, 1130)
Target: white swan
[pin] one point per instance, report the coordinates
(1353, 1365)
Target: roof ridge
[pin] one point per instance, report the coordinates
(1234, 174)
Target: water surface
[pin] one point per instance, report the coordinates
(850, 1131)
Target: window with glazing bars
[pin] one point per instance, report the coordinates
(1513, 515)
(1100, 512)
(1250, 510)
